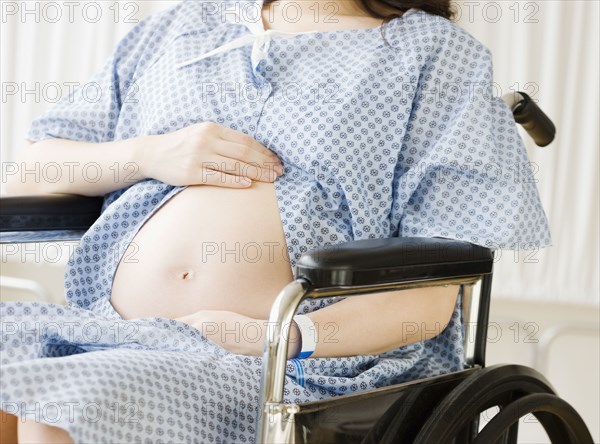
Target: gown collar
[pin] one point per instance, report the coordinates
(251, 18)
(249, 14)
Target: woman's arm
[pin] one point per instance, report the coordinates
(361, 325)
(200, 154)
(72, 167)
(374, 324)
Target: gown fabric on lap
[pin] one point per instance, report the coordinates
(383, 132)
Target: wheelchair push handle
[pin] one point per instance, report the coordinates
(526, 112)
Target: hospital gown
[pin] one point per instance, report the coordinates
(388, 131)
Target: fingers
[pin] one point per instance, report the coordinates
(243, 147)
(239, 160)
(235, 136)
(224, 156)
(221, 179)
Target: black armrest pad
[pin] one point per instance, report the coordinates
(48, 212)
(383, 261)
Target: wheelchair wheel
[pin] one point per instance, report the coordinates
(559, 419)
(517, 391)
(403, 420)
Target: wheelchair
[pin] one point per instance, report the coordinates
(441, 409)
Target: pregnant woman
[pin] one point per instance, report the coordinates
(232, 137)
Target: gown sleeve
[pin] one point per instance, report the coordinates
(90, 113)
(463, 171)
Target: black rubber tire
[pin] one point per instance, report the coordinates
(561, 422)
(492, 386)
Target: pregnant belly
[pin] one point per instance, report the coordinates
(207, 248)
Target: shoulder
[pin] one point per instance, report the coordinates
(184, 16)
(199, 15)
(432, 35)
(152, 36)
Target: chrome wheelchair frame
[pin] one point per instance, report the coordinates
(441, 409)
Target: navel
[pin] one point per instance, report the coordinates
(184, 275)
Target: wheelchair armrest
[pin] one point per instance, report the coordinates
(392, 260)
(47, 214)
(360, 267)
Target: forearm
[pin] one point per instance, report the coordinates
(359, 325)
(72, 167)
(238, 333)
(204, 153)
(376, 323)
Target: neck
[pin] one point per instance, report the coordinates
(309, 8)
(320, 15)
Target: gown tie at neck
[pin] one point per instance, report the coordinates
(259, 37)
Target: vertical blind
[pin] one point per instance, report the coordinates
(547, 49)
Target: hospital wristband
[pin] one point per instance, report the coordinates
(308, 335)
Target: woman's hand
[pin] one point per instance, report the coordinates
(234, 332)
(237, 333)
(209, 154)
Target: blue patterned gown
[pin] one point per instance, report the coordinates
(390, 131)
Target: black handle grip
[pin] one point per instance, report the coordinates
(537, 124)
